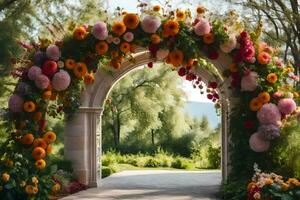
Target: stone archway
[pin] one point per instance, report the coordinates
(83, 133)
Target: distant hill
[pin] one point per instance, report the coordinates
(199, 109)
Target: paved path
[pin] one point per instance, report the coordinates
(155, 185)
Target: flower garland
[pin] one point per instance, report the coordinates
(54, 73)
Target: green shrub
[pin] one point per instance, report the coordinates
(107, 171)
(109, 158)
(234, 190)
(181, 163)
(152, 162)
(164, 158)
(214, 157)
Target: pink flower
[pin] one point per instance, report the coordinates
(277, 95)
(287, 106)
(202, 27)
(229, 45)
(53, 52)
(61, 80)
(42, 81)
(249, 82)
(100, 31)
(109, 39)
(162, 54)
(33, 72)
(150, 24)
(116, 40)
(269, 114)
(257, 144)
(15, 103)
(128, 37)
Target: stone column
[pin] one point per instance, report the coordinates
(224, 138)
(81, 144)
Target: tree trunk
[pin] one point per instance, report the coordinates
(152, 136)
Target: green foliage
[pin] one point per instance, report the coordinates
(234, 190)
(182, 163)
(107, 171)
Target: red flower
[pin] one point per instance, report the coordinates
(190, 77)
(182, 71)
(210, 96)
(213, 55)
(153, 49)
(213, 85)
(150, 64)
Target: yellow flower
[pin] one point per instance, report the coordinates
(272, 78)
(5, 177)
(34, 180)
(22, 184)
(55, 188)
(29, 189)
(156, 8)
(180, 15)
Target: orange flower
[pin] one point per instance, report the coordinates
(208, 38)
(70, 63)
(53, 96)
(285, 186)
(180, 15)
(55, 188)
(155, 39)
(80, 70)
(176, 57)
(269, 181)
(89, 79)
(171, 27)
(264, 97)
(255, 104)
(40, 164)
(115, 64)
(131, 20)
(133, 47)
(47, 94)
(263, 58)
(80, 33)
(29, 189)
(201, 10)
(27, 139)
(272, 78)
(40, 142)
(49, 137)
(156, 8)
(118, 28)
(168, 59)
(125, 47)
(37, 116)
(38, 153)
(114, 53)
(5, 177)
(29, 106)
(101, 48)
(190, 62)
(49, 149)
(233, 67)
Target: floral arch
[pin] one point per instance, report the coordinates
(244, 73)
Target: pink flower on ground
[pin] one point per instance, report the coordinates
(42, 81)
(287, 106)
(100, 31)
(269, 114)
(128, 37)
(257, 144)
(15, 103)
(150, 24)
(249, 82)
(33, 72)
(229, 45)
(202, 27)
(53, 52)
(61, 80)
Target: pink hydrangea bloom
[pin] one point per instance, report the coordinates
(61, 80)
(249, 82)
(257, 144)
(202, 27)
(15, 103)
(33, 72)
(53, 52)
(100, 31)
(228, 46)
(42, 81)
(128, 37)
(287, 106)
(150, 24)
(269, 114)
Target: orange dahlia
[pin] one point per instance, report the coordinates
(255, 104)
(38, 153)
(176, 57)
(80, 70)
(89, 79)
(70, 63)
(49, 149)
(264, 97)
(208, 38)
(115, 64)
(29, 106)
(201, 10)
(119, 28)
(101, 48)
(272, 78)
(27, 139)
(155, 39)
(49, 137)
(171, 27)
(80, 33)
(156, 8)
(125, 47)
(40, 142)
(40, 164)
(131, 20)
(47, 94)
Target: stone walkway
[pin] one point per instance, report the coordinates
(155, 185)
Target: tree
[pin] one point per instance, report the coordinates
(282, 24)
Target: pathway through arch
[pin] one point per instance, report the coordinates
(155, 185)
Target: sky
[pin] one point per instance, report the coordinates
(130, 6)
